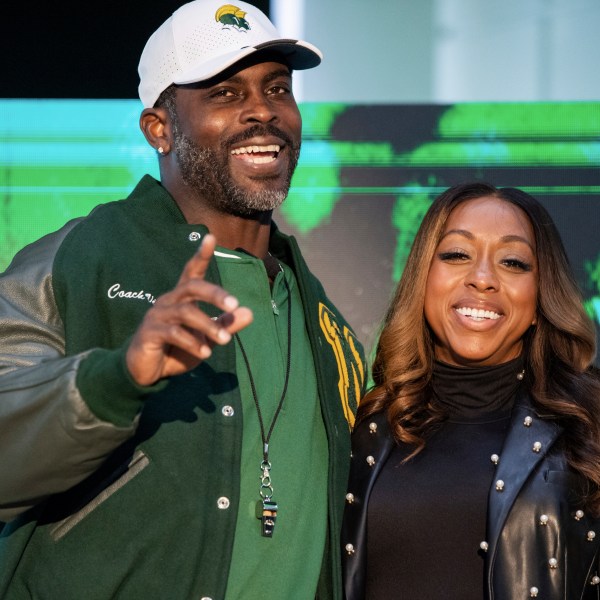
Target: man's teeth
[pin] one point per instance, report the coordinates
(477, 314)
(249, 150)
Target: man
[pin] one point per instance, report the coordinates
(175, 404)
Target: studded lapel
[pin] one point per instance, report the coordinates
(527, 442)
(372, 442)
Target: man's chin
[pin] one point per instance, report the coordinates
(244, 204)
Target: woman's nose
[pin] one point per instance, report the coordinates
(483, 276)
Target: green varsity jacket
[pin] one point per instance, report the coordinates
(109, 489)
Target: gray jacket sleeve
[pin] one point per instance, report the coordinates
(49, 438)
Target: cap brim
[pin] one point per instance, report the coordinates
(298, 54)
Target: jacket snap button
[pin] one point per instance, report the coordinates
(194, 236)
(223, 503)
(227, 411)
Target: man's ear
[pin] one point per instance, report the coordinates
(154, 123)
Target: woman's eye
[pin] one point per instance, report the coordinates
(453, 256)
(517, 264)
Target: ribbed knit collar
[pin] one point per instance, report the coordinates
(476, 392)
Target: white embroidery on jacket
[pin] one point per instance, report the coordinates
(115, 291)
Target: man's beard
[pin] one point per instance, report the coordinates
(207, 172)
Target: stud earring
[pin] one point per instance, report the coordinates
(161, 150)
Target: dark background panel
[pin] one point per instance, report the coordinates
(73, 49)
(352, 253)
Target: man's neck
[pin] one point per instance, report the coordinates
(250, 233)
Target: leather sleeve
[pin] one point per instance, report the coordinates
(49, 438)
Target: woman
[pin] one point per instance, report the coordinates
(476, 458)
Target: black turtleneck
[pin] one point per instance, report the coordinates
(426, 518)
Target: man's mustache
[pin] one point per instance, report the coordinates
(259, 130)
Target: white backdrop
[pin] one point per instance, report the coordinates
(439, 51)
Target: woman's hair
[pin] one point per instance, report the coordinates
(559, 348)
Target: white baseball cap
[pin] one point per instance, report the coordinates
(204, 37)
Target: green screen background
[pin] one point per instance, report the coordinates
(366, 176)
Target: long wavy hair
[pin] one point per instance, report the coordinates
(558, 351)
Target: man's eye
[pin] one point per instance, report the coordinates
(222, 93)
(279, 89)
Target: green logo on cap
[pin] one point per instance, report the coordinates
(228, 14)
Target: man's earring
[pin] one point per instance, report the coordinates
(161, 150)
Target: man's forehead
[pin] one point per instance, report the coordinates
(269, 67)
(276, 60)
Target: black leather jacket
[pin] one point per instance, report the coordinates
(540, 543)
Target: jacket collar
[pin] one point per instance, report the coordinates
(528, 440)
